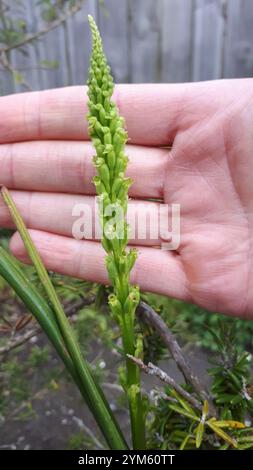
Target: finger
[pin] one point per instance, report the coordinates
(77, 216)
(66, 166)
(155, 270)
(152, 113)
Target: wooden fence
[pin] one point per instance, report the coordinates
(145, 41)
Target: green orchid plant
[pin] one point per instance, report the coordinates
(182, 418)
(108, 134)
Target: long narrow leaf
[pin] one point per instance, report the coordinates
(96, 400)
(229, 423)
(183, 403)
(246, 439)
(222, 433)
(185, 442)
(199, 434)
(37, 305)
(184, 412)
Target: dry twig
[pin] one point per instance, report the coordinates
(146, 313)
(151, 369)
(53, 25)
(70, 310)
(7, 65)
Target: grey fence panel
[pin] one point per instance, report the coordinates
(145, 41)
(209, 31)
(239, 40)
(79, 42)
(176, 40)
(53, 47)
(26, 64)
(144, 36)
(113, 23)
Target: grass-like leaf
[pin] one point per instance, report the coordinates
(94, 395)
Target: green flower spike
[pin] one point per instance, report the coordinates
(109, 137)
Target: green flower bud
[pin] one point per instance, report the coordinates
(112, 271)
(117, 183)
(106, 244)
(123, 190)
(107, 104)
(92, 121)
(139, 347)
(99, 95)
(107, 136)
(104, 174)
(93, 82)
(133, 391)
(123, 263)
(100, 187)
(112, 235)
(110, 155)
(103, 201)
(108, 92)
(98, 161)
(111, 158)
(115, 305)
(92, 108)
(113, 126)
(131, 258)
(121, 163)
(95, 128)
(101, 114)
(98, 74)
(132, 300)
(98, 146)
(119, 139)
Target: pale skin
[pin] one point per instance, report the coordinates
(46, 162)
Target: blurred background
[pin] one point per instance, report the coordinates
(46, 43)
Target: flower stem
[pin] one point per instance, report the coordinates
(109, 136)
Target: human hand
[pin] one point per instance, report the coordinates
(46, 160)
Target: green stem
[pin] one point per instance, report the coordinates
(133, 389)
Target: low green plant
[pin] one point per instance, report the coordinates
(76, 441)
(177, 424)
(194, 324)
(231, 385)
(38, 356)
(13, 374)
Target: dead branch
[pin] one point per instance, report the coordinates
(146, 313)
(151, 369)
(55, 24)
(7, 65)
(70, 310)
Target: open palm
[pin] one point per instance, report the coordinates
(46, 159)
